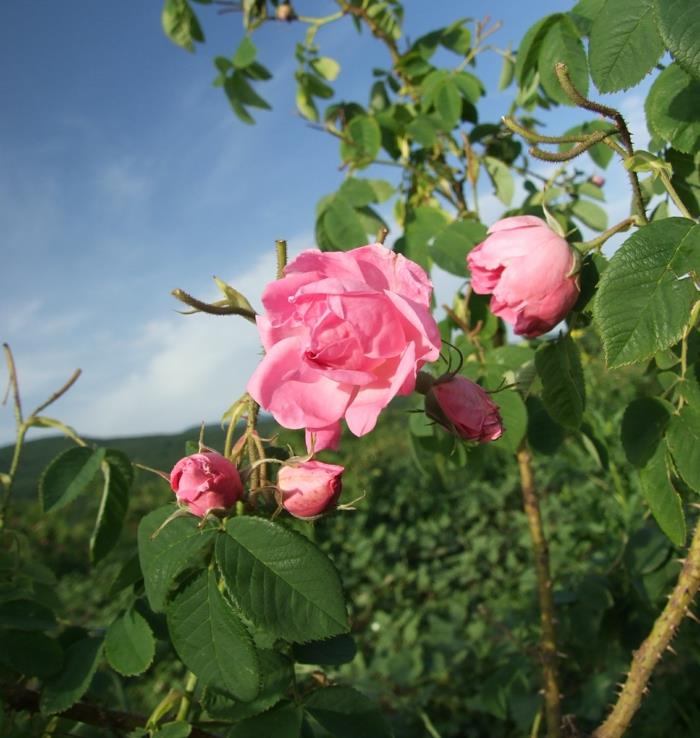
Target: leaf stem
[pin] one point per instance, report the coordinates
(596, 243)
(548, 647)
(674, 194)
(186, 699)
(205, 307)
(650, 652)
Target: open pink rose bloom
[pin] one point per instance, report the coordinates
(464, 408)
(206, 481)
(529, 271)
(344, 332)
(309, 488)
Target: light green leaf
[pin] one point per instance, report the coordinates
(346, 713)
(175, 547)
(663, 500)
(68, 475)
(563, 389)
(624, 44)
(679, 25)
(507, 71)
(423, 130)
(452, 244)
(358, 192)
(562, 44)
(211, 639)
(281, 580)
(684, 443)
(584, 13)
(645, 295)
(343, 226)
(590, 214)
(245, 53)
(180, 24)
(118, 477)
(643, 427)
(130, 645)
(79, 666)
(383, 190)
(672, 109)
(328, 68)
(362, 139)
(502, 179)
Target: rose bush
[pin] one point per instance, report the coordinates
(463, 408)
(530, 272)
(206, 481)
(344, 333)
(309, 488)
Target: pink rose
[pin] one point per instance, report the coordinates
(206, 481)
(344, 332)
(464, 408)
(528, 270)
(309, 488)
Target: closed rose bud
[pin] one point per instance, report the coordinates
(206, 481)
(309, 488)
(529, 270)
(464, 409)
(597, 180)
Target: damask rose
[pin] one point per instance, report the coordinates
(344, 332)
(206, 481)
(529, 270)
(463, 408)
(310, 488)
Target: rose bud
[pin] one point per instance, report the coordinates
(464, 409)
(206, 481)
(597, 180)
(309, 488)
(529, 270)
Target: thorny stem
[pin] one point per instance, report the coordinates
(548, 647)
(596, 243)
(650, 652)
(575, 96)
(59, 392)
(590, 140)
(510, 123)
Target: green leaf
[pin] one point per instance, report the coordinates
(118, 476)
(448, 103)
(306, 105)
(79, 666)
(347, 713)
(543, 434)
(383, 190)
(31, 654)
(173, 729)
(340, 649)
(25, 614)
(625, 44)
(423, 130)
(343, 226)
(686, 179)
(68, 475)
(358, 192)
(645, 296)
(422, 225)
(180, 24)
(590, 214)
(584, 13)
(643, 426)
(679, 25)
(281, 580)
(514, 417)
(529, 49)
(507, 72)
(683, 440)
(175, 547)
(362, 139)
(328, 68)
(456, 38)
(283, 721)
(130, 645)
(129, 574)
(663, 500)
(563, 389)
(562, 44)
(239, 89)
(245, 53)
(452, 244)
(502, 179)
(211, 639)
(672, 109)
(599, 153)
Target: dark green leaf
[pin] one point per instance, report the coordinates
(451, 246)
(562, 44)
(239, 89)
(684, 443)
(423, 130)
(584, 13)
(173, 729)
(180, 24)
(130, 645)
(212, 641)
(645, 295)
(79, 666)
(563, 389)
(529, 49)
(643, 427)
(343, 226)
(340, 649)
(118, 476)
(361, 141)
(624, 44)
(68, 475)
(283, 721)
(25, 614)
(679, 25)
(663, 500)
(672, 109)
(346, 713)
(358, 192)
(281, 580)
(543, 434)
(686, 179)
(502, 179)
(448, 103)
(173, 549)
(31, 654)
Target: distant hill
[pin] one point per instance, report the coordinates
(157, 451)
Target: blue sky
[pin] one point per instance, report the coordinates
(124, 174)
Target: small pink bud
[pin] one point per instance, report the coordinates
(464, 408)
(206, 481)
(309, 488)
(597, 180)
